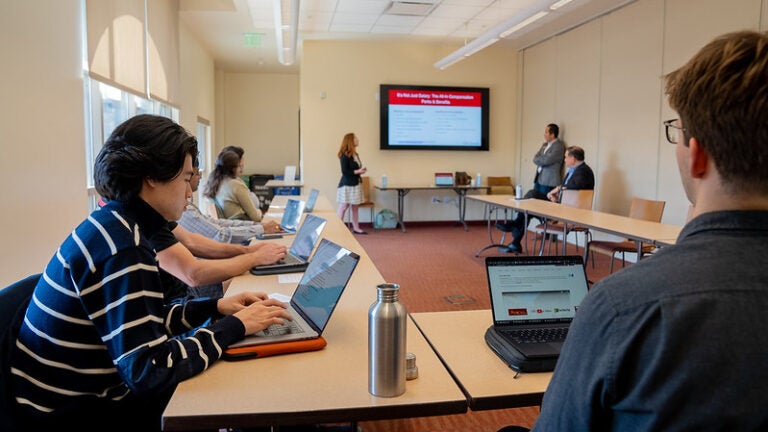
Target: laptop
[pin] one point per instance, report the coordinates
(311, 200)
(314, 299)
(291, 216)
(534, 300)
(297, 258)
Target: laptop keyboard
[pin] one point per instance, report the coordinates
(281, 329)
(542, 335)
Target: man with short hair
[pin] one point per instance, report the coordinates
(580, 176)
(549, 161)
(678, 341)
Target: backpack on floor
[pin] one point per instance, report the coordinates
(385, 219)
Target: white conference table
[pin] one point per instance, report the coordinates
(640, 231)
(487, 382)
(325, 386)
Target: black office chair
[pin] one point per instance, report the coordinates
(13, 305)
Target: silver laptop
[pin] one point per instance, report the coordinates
(534, 300)
(314, 299)
(291, 216)
(297, 257)
(311, 200)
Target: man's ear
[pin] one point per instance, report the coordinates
(699, 158)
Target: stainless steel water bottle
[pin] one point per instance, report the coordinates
(387, 321)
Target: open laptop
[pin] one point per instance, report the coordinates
(291, 216)
(311, 200)
(314, 299)
(297, 258)
(533, 300)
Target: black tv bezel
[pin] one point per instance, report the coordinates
(384, 117)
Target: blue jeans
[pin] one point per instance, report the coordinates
(542, 188)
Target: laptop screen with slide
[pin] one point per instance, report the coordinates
(315, 298)
(533, 300)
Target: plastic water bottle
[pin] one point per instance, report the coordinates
(478, 180)
(384, 180)
(387, 319)
(519, 192)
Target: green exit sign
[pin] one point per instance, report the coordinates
(253, 40)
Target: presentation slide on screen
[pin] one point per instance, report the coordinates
(435, 118)
(532, 292)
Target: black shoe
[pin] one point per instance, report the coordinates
(514, 248)
(361, 232)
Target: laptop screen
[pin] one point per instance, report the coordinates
(292, 214)
(311, 200)
(532, 290)
(307, 237)
(323, 282)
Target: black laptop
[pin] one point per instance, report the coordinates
(533, 300)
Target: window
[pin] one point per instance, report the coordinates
(203, 152)
(107, 107)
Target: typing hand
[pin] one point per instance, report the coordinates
(263, 314)
(230, 305)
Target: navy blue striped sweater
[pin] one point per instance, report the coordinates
(97, 326)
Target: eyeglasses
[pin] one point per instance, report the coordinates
(671, 130)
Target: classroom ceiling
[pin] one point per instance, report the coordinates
(240, 34)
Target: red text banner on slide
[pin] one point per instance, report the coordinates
(444, 98)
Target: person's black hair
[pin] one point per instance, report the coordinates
(142, 147)
(554, 129)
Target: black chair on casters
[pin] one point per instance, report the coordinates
(13, 305)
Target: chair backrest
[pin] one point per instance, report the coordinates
(579, 198)
(500, 185)
(366, 188)
(13, 305)
(211, 209)
(646, 209)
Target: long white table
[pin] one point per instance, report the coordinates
(488, 383)
(326, 386)
(641, 231)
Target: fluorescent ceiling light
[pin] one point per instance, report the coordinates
(502, 30)
(286, 29)
(534, 18)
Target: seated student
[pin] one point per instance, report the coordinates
(97, 342)
(678, 341)
(228, 190)
(579, 176)
(223, 230)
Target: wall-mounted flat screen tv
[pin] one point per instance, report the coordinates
(433, 117)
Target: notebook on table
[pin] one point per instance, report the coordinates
(311, 200)
(311, 304)
(297, 257)
(534, 300)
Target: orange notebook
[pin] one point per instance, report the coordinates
(266, 350)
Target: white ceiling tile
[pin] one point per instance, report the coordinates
(363, 6)
(399, 20)
(350, 18)
(456, 11)
(350, 28)
(390, 30)
(318, 5)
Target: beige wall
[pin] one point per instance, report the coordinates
(259, 112)
(349, 75)
(42, 167)
(602, 83)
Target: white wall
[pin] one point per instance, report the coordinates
(603, 84)
(42, 127)
(42, 167)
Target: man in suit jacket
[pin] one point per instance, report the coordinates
(579, 175)
(549, 161)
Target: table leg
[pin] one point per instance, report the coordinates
(462, 206)
(401, 193)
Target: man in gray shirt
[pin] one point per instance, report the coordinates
(678, 341)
